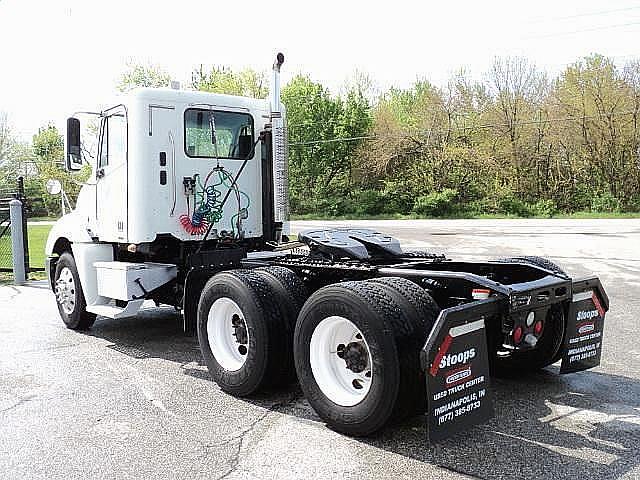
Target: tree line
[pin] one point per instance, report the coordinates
(515, 142)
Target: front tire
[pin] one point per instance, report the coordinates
(69, 295)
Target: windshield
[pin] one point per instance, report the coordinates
(234, 134)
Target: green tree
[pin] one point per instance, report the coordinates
(138, 75)
(324, 136)
(246, 83)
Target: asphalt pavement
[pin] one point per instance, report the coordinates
(132, 399)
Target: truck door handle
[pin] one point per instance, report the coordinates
(100, 173)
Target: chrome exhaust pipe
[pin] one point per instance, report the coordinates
(280, 161)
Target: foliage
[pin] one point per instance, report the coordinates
(247, 82)
(516, 142)
(48, 158)
(605, 202)
(436, 204)
(143, 76)
(321, 169)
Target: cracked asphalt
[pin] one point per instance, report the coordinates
(131, 398)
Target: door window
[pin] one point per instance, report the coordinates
(113, 143)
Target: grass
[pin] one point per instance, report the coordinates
(37, 239)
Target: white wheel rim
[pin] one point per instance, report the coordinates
(66, 291)
(227, 350)
(340, 384)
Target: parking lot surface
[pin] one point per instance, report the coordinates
(132, 399)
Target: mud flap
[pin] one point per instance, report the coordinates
(585, 324)
(456, 362)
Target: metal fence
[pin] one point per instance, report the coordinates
(6, 257)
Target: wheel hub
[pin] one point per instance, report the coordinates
(65, 291)
(239, 329)
(227, 334)
(355, 356)
(341, 361)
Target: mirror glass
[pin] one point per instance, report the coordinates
(73, 157)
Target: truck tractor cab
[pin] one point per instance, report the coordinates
(177, 173)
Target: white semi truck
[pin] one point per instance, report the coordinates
(187, 205)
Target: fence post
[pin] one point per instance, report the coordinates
(17, 242)
(25, 237)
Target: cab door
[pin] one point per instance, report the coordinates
(112, 177)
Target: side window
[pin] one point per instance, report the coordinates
(234, 134)
(113, 143)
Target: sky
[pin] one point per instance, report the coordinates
(59, 56)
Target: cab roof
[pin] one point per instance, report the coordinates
(195, 98)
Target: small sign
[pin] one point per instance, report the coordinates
(458, 388)
(583, 337)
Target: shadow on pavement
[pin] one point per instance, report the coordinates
(154, 333)
(584, 425)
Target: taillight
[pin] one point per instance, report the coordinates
(537, 328)
(517, 335)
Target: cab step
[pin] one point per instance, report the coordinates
(112, 311)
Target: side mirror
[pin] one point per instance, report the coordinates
(53, 186)
(73, 155)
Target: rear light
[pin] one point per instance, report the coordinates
(537, 328)
(517, 335)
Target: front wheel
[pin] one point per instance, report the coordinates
(69, 295)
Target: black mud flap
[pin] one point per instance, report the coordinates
(585, 325)
(456, 362)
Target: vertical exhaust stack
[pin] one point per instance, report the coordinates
(275, 84)
(280, 162)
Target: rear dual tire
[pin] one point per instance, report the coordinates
(378, 326)
(384, 324)
(245, 326)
